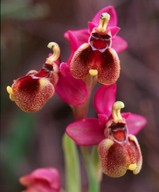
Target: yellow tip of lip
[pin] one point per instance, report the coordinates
(132, 167)
(10, 92)
(93, 72)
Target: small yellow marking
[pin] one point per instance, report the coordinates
(93, 72)
(132, 167)
(10, 92)
(108, 143)
(43, 82)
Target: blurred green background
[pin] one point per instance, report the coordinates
(29, 141)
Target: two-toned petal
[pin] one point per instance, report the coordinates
(30, 94)
(116, 158)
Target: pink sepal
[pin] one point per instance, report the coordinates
(119, 44)
(104, 99)
(86, 132)
(72, 91)
(76, 38)
(111, 11)
(134, 122)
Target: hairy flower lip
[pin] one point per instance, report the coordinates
(118, 157)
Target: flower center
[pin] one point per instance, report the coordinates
(100, 38)
(118, 132)
(117, 129)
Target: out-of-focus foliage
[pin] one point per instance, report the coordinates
(22, 10)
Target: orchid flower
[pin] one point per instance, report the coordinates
(42, 180)
(78, 37)
(96, 55)
(32, 91)
(113, 132)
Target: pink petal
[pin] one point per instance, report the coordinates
(102, 118)
(76, 38)
(119, 44)
(114, 30)
(104, 99)
(111, 11)
(91, 25)
(86, 132)
(50, 175)
(72, 91)
(134, 122)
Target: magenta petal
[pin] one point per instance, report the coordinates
(72, 91)
(111, 11)
(86, 132)
(104, 99)
(134, 122)
(102, 118)
(76, 38)
(91, 26)
(114, 30)
(119, 44)
(50, 175)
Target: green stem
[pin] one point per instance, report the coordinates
(72, 169)
(94, 185)
(80, 111)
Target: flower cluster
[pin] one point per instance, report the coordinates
(93, 58)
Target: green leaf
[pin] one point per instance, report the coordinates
(72, 169)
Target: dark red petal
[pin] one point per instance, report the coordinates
(79, 65)
(108, 67)
(113, 158)
(30, 94)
